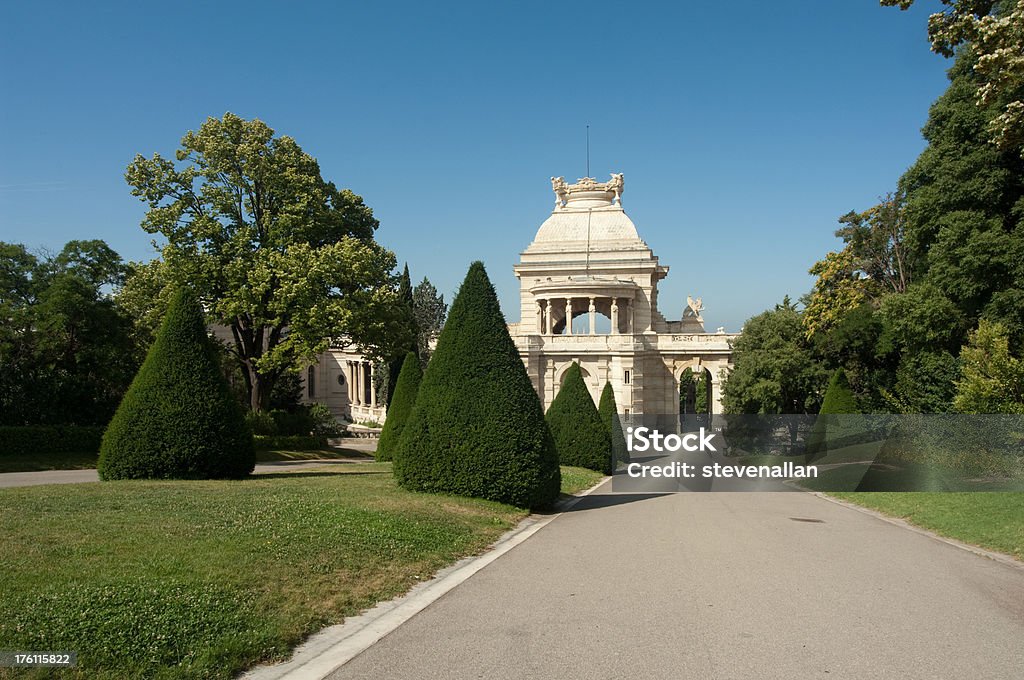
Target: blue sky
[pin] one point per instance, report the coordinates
(744, 129)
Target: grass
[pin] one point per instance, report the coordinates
(576, 479)
(993, 520)
(36, 462)
(201, 579)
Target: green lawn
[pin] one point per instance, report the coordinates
(199, 579)
(993, 520)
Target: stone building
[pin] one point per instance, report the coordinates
(586, 264)
(589, 294)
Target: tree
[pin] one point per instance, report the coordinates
(66, 349)
(609, 413)
(178, 418)
(838, 397)
(401, 406)
(429, 310)
(278, 255)
(992, 380)
(478, 428)
(581, 437)
(997, 38)
(405, 301)
(774, 369)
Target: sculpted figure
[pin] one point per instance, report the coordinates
(558, 186)
(616, 184)
(693, 308)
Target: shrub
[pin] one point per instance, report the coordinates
(297, 422)
(261, 423)
(831, 429)
(46, 439)
(404, 399)
(324, 422)
(478, 428)
(178, 418)
(609, 413)
(581, 437)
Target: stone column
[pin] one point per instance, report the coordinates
(373, 386)
(568, 316)
(356, 382)
(540, 316)
(547, 316)
(593, 316)
(615, 316)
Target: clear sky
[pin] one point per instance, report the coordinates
(744, 128)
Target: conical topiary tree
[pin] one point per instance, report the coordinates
(830, 426)
(178, 418)
(406, 388)
(609, 413)
(581, 437)
(478, 428)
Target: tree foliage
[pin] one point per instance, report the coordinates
(478, 428)
(66, 349)
(405, 308)
(838, 397)
(991, 379)
(582, 438)
(774, 369)
(609, 413)
(277, 254)
(995, 33)
(178, 418)
(406, 389)
(429, 310)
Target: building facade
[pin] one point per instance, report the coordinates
(589, 295)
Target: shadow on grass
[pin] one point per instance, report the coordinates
(316, 473)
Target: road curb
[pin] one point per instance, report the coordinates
(1002, 558)
(336, 645)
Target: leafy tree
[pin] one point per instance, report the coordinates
(278, 255)
(478, 428)
(609, 413)
(401, 406)
(581, 436)
(178, 418)
(992, 380)
(774, 369)
(995, 32)
(429, 310)
(693, 392)
(405, 301)
(66, 349)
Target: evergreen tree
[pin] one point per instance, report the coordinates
(405, 301)
(581, 436)
(178, 418)
(838, 397)
(609, 412)
(478, 428)
(406, 388)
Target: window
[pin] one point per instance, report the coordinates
(625, 378)
(311, 382)
(625, 414)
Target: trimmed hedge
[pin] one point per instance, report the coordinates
(478, 428)
(609, 413)
(839, 397)
(401, 406)
(581, 437)
(178, 418)
(44, 439)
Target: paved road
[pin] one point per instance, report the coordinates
(718, 586)
(12, 479)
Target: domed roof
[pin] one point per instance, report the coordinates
(587, 211)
